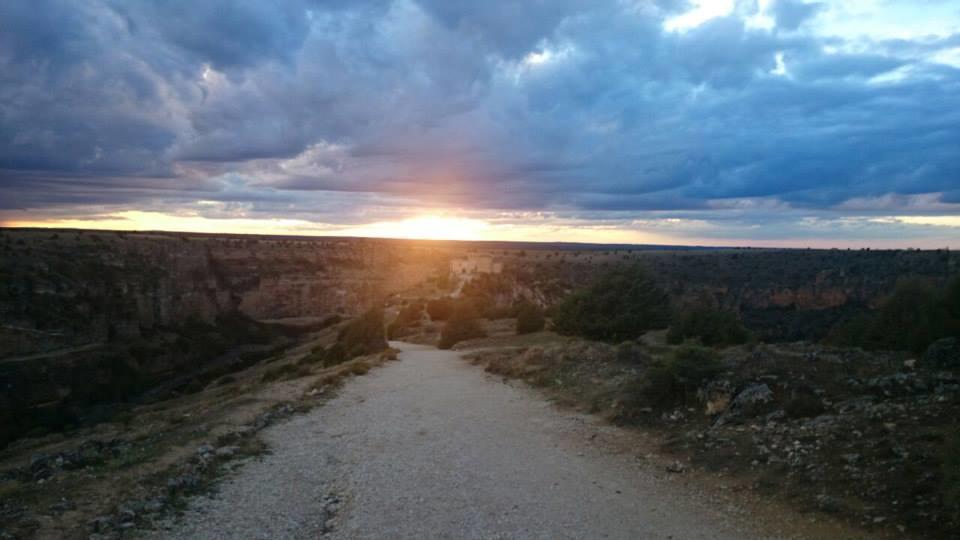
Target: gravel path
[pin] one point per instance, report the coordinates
(431, 447)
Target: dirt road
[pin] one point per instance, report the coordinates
(431, 447)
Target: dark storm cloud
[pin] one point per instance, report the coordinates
(226, 33)
(578, 105)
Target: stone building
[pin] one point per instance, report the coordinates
(475, 265)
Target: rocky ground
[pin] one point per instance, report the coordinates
(430, 447)
(119, 478)
(841, 432)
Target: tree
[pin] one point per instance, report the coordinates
(621, 305)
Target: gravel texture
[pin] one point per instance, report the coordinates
(431, 447)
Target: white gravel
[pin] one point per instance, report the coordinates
(431, 447)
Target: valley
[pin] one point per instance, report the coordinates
(139, 370)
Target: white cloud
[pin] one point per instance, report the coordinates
(703, 12)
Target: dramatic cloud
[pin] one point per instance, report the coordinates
(772, 116)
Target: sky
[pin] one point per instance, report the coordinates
(707, 122)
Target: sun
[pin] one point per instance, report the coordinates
(428, 227)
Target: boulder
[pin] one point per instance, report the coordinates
(752, 401)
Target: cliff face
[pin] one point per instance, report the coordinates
(66, 288)
(795, 295)
(784, 295)
(95, 317)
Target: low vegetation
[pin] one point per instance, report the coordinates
(408, 319)
(361, 336)
(621, 305)
(916, 314)
(440, 309)
(867, 436)
(154, 455)
(709, 326)
(675, 380)
(530, 318)
(464, 323)
(364, 335)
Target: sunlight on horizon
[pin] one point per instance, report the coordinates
(427, 226)
(444, 225)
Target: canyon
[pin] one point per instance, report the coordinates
(102, 317)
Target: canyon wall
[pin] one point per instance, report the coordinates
(70, 288)
(94, 318)
(783, 295)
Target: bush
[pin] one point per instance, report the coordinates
(464, 324)
(671, 382)
(693, 366)
(363, 335)
(660, 387)
(911, 319)
(915, 315)
(529, 318)
(852, 332)
(408, 317)
(334, 355)
(440, 309)
(712, 327)
(622, 305)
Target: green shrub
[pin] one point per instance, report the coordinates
(852, 332)
(464, 324)
(363, 335)
(529, 318)
(712, 327)
(912, 318)
(334, 355)
(408, 317)
(915, 315)
(670, 382)
(660, 387)
(694, 366)
(621, 305)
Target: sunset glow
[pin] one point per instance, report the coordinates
(426, 228)
(706, 122)
(447, 225)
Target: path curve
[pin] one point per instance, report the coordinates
(431, 447)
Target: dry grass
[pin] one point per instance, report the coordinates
(166, 434)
